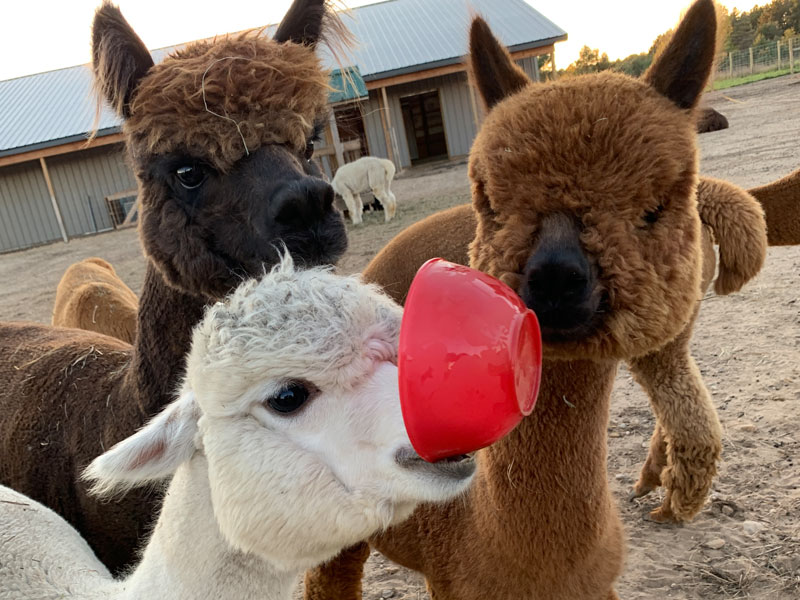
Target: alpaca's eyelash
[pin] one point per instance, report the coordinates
(316, 133)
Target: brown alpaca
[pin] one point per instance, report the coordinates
(781, 201)
(709, 120)
(603, 239)
(220, 199)
(91, 296)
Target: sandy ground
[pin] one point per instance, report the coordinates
(746, 542)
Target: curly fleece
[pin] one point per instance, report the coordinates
(274, 93)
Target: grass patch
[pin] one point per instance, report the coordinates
(722, 84)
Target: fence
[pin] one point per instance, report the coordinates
(780, 55)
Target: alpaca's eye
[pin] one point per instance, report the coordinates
(309, 152)
(293, 396)
(191, 176)
(651, 216)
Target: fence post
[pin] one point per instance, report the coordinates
(791, 55)
(751, 60)
(730, 65)
(779, 55)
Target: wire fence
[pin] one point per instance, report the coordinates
(780, 55)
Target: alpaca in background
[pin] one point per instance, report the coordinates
(91, 296)
(367, 174)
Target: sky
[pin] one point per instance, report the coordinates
(43, 35)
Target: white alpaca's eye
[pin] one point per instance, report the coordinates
(290, 398)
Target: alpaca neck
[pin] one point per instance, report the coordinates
(187, 557)
(164, 332)
(554, 462)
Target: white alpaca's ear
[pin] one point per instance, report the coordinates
(152, 453)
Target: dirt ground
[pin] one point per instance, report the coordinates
(746, 542)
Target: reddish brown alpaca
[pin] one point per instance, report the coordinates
(91, 296)
(730, 216)
(603, 239)
(781, 201)
(219, 199)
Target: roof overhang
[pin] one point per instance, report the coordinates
(457, 64)
(456, 60)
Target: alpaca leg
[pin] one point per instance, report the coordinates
(339, 578)
(354, 206)
(688, 424)
(388, 201)
(650, 477)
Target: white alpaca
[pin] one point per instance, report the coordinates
(285, 445)
(367, 174)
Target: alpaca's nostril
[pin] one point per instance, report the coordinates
(302, 202)
(561, 292)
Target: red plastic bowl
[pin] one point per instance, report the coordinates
(470, 360)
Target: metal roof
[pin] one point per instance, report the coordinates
(392, 38)
(403, 36)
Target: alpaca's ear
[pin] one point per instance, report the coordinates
(681, 71)
(303, 23)
(152, 453)
(119, 58)
(493, 72)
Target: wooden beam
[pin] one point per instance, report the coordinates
(446, 70)
(337, 143)
(384, 109)
(50, 189)
(14, 159)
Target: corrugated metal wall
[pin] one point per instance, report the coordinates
(26, 214)
(456, 106)
(80, 180)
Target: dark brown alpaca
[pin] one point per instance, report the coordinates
(220, 197)
(603, 239)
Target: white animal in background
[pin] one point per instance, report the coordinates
(367, 174)
(285, 445)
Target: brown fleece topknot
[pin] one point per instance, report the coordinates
(220, 100)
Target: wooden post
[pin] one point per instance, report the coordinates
(53, 199)
(751, 60)
(779, 54)
(388, 131)
(791, 55)
(553, 62)
(730, 65)
(337, 144)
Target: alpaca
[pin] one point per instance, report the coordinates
(91, 296)
(709, 119)
(781, 201)
(604, 241)
(733, 219)
(219, 198)
(367, 174)
(285, 445)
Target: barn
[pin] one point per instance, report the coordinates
(403, 96)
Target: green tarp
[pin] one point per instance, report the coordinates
(347, 84)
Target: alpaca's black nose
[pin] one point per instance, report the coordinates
(302, 202)
(557, 280)
(559, 283)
